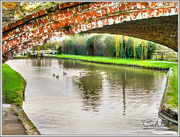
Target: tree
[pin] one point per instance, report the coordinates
(109, 45)
(94, 45)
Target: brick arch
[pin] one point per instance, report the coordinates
(154, 21)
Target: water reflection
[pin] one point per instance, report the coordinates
(40, 61)
(90, 85)
(124, 85)
(90, 89)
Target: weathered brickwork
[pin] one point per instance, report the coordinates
(9, 9)
(154, 21)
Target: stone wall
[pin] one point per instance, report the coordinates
(8, 11)
(166, 110)
(12, 11)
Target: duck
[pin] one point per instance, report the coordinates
(53, 74)
(64, 73)
(57, 76)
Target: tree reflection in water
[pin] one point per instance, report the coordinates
(123, 82)
(40, 61)
(90, 90)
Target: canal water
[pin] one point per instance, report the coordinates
(91, 99)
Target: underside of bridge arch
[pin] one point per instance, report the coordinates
(152, 21)
(162, 30)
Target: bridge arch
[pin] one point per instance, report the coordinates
(153, 21)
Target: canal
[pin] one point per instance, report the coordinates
(91, 98)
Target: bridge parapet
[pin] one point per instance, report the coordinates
(76, 17)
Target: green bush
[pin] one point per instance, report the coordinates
(130, 51)
(140, 51)
(59, 49)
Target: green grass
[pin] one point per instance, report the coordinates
(20, 56)
(130, 62)
(16, 113)
(168, 60)
(173, 82)
(175, 74)
(12, 85)
(175, 85)
(172, 94)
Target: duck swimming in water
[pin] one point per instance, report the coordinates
(64, 73)
(53, 74)
(57, 76)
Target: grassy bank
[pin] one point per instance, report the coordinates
(12, 85)
(20, 56)
(172, 91)
(109, 60)
(150, 64)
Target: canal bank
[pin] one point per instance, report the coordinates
(15, 121)
(166, 110)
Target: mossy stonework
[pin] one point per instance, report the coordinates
(167, 109)
(27, 123)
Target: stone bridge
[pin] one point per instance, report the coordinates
(153, 21)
